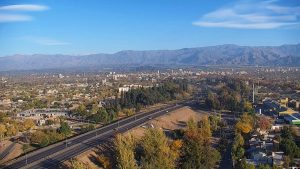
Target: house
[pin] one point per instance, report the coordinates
(5, 102)
(123, 89)
(259, 157)
(277, 158)
(271, 107)
(277, 127)
(41, 122)
(293, 118)
(260, 149)
(284, 102)
(38, 114)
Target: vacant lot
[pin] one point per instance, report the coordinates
(173, 120)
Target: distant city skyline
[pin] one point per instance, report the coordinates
(98, 26)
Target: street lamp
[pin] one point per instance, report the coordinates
(26, 159)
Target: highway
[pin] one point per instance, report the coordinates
(53, 155)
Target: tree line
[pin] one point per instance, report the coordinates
(191, 150)
(232, 95)
(133, 100)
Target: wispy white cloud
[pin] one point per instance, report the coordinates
(9, 13)
(252, 15)
(14, 18)
(24, 7)
(46, 41)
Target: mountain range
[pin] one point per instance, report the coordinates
(227, 55)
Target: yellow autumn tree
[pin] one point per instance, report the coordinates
(124, 148)
(247, 106)
(196, 150)
(175, 148)
(75, 164)
(245, 123)
(2, 131)
(104, 161)
(11, 130)
(28, 124)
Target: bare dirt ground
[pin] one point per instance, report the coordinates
(3, 145)
(16, 151)
(173, 120)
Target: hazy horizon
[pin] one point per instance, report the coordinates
(111, 53)
(81, 27)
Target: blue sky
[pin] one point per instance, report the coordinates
(108, 26)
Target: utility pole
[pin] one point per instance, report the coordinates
(253, 94)
(26, 160)
(66, 141)
(118, 123)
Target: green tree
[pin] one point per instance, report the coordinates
(65, 129)
(247, 106)
(290, 148)
(81, 110)
(212, 102)
(277, 167)
(238, 140)
(262, 166)
(40, 138)
(197, 156)
(87, 128)
(237, 150)
(244, 165)
(101, 116)
(128, 112)
(214, 122)
(156, 151)
(286, 133)
(124, 148)
(54, 136)
(204, 129)
(197, 153)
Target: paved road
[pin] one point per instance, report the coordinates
(226, 160)
(7, 150)
(53, 155)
